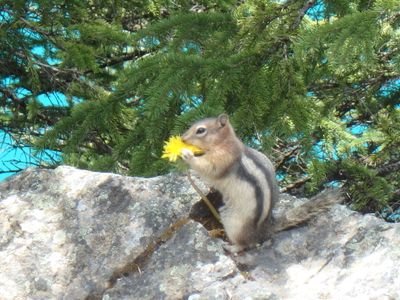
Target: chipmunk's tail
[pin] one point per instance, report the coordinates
(299, 215)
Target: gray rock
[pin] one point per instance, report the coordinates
(65, 232)
(73, 234)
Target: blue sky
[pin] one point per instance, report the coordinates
(16, 157)
(13, 156)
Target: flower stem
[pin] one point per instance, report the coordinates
(204, 197)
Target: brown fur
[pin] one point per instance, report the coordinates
(246, 180)
(312, 208)
(229, 166)
(221, 146)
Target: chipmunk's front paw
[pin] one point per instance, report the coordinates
(187, 154)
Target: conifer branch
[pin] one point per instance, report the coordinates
(296, 184)
(286, 156)
(121, 59)
(7, 93)
(301, 13)
(7, 171)
(389, 168)
(48, 35)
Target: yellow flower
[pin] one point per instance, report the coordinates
(173, 147)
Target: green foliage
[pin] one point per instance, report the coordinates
(369, 191)
(320, 96)
(33, 108)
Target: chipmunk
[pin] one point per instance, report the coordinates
(246, 180)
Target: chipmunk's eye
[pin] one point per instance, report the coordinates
(201, 130)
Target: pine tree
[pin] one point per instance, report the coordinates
(313, 84)
(55, 54)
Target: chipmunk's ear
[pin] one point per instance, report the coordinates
(223, 119)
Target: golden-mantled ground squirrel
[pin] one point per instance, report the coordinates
(246, 180)
(244, 176)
